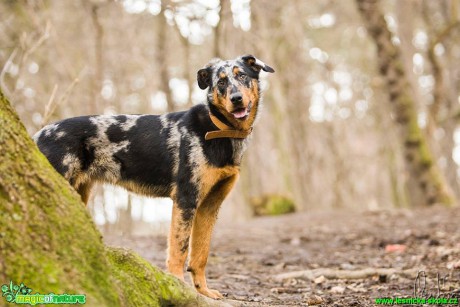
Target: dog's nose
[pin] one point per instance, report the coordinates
(236, 98)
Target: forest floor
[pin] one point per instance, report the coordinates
(342, 255)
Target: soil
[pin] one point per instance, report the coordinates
(247, 257)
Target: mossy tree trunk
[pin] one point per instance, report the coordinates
(421, 165)
(49, 242)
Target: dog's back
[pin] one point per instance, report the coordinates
(130, 150)
(139, 152)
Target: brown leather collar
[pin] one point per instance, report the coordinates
(225, 131)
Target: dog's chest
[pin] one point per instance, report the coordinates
(239, 147)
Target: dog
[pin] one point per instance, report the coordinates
(193, 156)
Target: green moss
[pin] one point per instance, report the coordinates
(132, 279)
(142, 284)
(399, 68)
(273, 205)
(423, 161)
(414, 134)
(426, 158)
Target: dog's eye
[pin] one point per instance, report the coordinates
(242, 77)
(221, 83)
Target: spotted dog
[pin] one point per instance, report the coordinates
(193, 157)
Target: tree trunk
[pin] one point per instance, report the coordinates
(444, 89)
(162, 60)
(98, 63)
(219, 44)
(420, 163)
(49, 243)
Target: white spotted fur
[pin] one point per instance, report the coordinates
(104, 149)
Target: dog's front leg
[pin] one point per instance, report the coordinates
(203, 224)
(178, 241)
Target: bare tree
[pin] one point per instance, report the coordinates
(162, 59)
(419, 159)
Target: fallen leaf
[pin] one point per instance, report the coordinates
(392, 248)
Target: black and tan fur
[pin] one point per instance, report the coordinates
(168, 156)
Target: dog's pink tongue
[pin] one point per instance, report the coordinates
(241, 113)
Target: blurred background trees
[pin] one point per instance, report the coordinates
(332, 133)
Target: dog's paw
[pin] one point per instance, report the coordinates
(214, 294)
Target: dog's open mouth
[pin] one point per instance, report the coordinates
(240, 113)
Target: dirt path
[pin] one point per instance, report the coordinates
(247, 257)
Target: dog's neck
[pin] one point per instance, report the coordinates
(228, 126)
(226, 131)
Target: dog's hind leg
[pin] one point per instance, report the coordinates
(203, 225)
(178, 241)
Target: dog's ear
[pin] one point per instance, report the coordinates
(204, 77)
(256, 64)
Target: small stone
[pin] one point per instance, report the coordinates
(453, 265)
(320, 280)
(443, 251)
(338, 289)
(295, 241)
(357, 288)
(440, 234)
(314, 300)
(254, 299)
(280, 266)
(347, 266)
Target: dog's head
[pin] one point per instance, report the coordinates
(233, 86)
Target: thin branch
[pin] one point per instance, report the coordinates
(345, 274)
(6, 67)
(67, 92)
(27, 52)
(40, 41)
(50, 106)
(52, 103)
(444, 33)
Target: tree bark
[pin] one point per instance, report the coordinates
(224, 11)
(162, 60)
(98, 61)
(444, 90)
(419, 159)
(49, 243)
